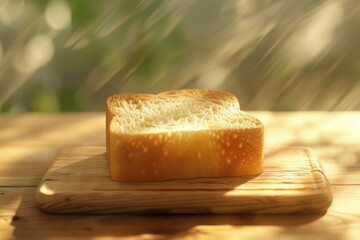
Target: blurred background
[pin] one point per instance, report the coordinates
(281, 55)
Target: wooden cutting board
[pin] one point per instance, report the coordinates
(292, 182)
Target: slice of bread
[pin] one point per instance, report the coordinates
(181, 134)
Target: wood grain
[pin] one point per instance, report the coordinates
(28, 143)
(24, 165)
(292, 182)
(22, 219)
(57, 129)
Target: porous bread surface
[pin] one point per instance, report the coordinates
(181, 134)
(177, 112)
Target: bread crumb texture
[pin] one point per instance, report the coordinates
(177, 111)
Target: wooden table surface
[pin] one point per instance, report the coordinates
(28, 143)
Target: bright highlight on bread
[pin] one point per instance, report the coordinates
(181, 134)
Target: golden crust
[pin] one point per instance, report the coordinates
(177, 155)
(158, 157)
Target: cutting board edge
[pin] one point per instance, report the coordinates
(312, 203)
(47, 200)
